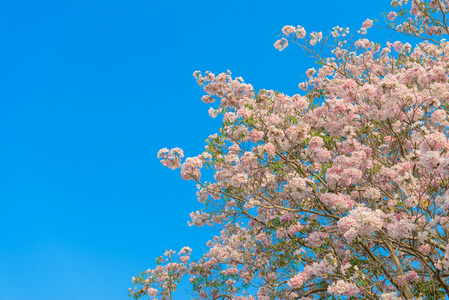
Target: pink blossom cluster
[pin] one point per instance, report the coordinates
(191, 168)
(360, 221)
(172, 158)
(341, 287)
(367, 24)
(338, 202)
(298, 280)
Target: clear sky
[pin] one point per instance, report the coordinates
(89, 92)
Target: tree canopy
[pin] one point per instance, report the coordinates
(339, 192)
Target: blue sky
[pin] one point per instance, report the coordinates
(89, 92)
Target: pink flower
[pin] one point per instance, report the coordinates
(293, 229)
(425, 248)
(163, 153)
(316, 142)
(392, 15)
(207, 99)
(239, 179)
(281, 44)
(270, 150)
(298, 280)
(412, 276)
(351, 176)
(389, 296)
(300, 102)
(212, 113)
(400, 229)
(244, 112)
(397, 46)
(185, 250)
(191, 168)
(317, 238)
(367, 24)
(273, 120)
(303, 86)
(152, 292)
(320, 155)
(310, 72)
(256, 136)
(430, 160)
(349, 85)
(438, 116)
(300, 32)
(346, 223)
(360, 221)
(343, 288)
(172, 158)
(287, 30)
(339, 202)
(286, 218)
(234, 149)
(230, 117)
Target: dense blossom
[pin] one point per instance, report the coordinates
(338, 192)
(343, 288)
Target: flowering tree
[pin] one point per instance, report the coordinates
(341, 198)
